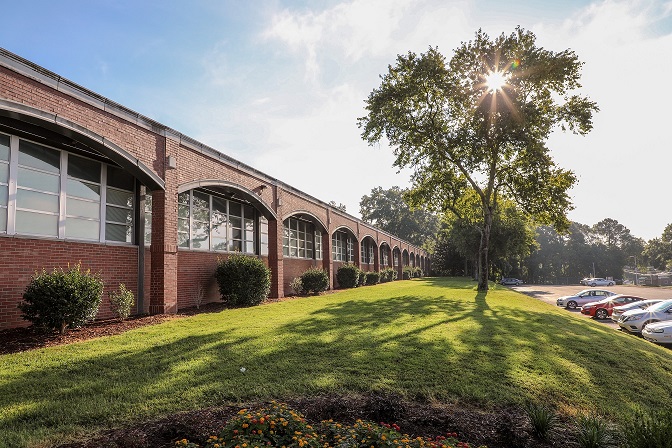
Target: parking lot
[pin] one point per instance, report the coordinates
(549, 294)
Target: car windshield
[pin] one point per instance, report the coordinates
(660, 306)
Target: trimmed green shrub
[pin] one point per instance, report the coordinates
(121, 301)
(417, 272)
(362, 278)
(243, 280)
(649, 430)
(347, 276)
(407, 273)
(62, 299)
(315, 280)
(388, 275)
(372, 278)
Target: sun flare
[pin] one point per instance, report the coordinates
(495, 81)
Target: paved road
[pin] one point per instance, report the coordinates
(549, 294)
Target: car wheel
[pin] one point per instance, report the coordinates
(611, 284)
(601, 314)
(571, 305)
(593, 284)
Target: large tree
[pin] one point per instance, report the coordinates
(479, 124)
(388, 210)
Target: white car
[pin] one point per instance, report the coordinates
(658, 332)
(599, 282)
(618, 311)
(583, 297)
(635, 320)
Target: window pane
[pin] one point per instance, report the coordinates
(81, 228)
(182, 240)
(3, 219)
(148, 229)
(4, 173)
(36, 223)
(249, 225)
(200, 235)
(235, 246)
(218, 244)
(83, 190)
(4, 147)
(121, 215)
(200, 200)
(183, 198)
(118, 178)
(236, 222)
(249, 212)
(40, 157)
(219, 204)
(84, 169)
(236, 234)
(75, 207)
(249, 247)
(119, 197)
(148, 202)
(4, 196)
(183, 211)
(117, 232)
(37, 201)
(182, 225)
(39, 181)
(219, 229)
(234, 209)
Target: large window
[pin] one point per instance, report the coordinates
(211, 222)
(368, 248)
(342, 247)
(63, 195)
(301, 240)
(395, 258)
(384, 257)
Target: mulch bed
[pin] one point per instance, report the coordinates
(495, 428)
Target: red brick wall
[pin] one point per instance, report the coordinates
(115, 263)
(294, 267)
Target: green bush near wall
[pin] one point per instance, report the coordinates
(348, 276)
(243, 280)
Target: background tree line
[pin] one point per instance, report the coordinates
(519, 247)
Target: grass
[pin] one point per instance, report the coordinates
(426, 339)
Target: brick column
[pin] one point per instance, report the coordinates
(327, 259)
(275, 258)
(163, 285)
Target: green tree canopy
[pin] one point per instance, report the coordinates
(479, 123)
(389, 211)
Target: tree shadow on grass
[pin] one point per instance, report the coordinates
(461, 346)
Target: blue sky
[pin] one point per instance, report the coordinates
(279, 84)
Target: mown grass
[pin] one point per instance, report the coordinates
(426, 339)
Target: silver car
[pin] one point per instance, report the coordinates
(658, 332)
(635, 320)
(583, 297)
(618, 311)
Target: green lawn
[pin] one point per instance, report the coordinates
(427, 339)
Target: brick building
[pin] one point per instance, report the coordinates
(83, 179)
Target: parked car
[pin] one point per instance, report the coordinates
(659, 332)
(635, 320)
(583, 297)
(511, 281)
(618, 311)
(604, 308)
(600, 282)
(584, 281)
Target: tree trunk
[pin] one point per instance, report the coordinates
(484, 268)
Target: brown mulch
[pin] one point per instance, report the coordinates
(495, 428)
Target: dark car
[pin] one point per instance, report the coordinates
(511, 281)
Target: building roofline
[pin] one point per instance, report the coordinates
(40, 74)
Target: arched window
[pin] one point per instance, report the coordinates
(60, 194)
(301, 239)
(215, 223)
(342, 247)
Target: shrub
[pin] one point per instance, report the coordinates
(297, 285)
(62, 299)
(542, 419)
(347, 276)
(417, 272)
(388, 274)
(362, 278)
(243, 280)
(407, 273)
(315, 280)
(593, 432)
(649, 430)
(121, 301)
(372, 278)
